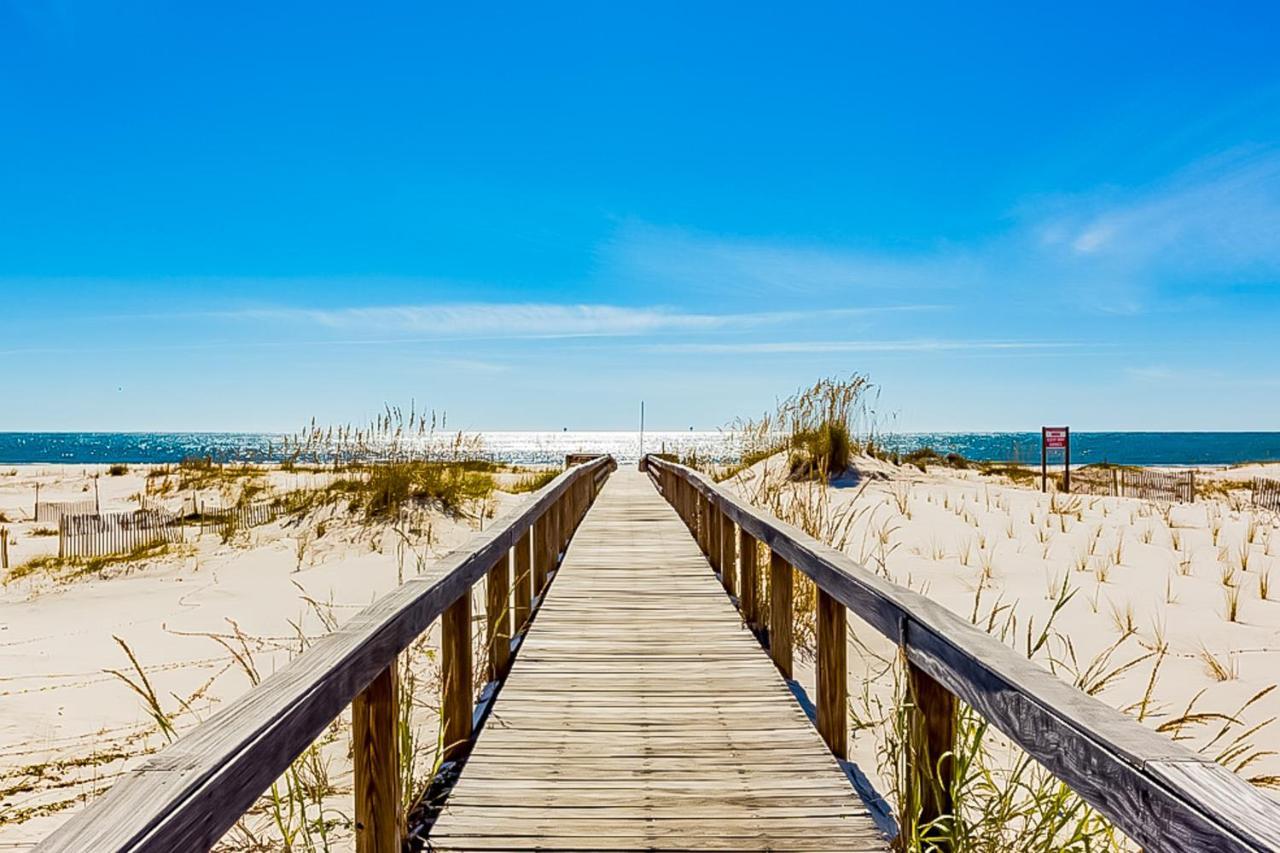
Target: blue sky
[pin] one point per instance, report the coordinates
(533, 216)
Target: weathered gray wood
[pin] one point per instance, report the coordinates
(781, 595)
(187, 796)
(931, 737)
(379, 823)
(832, 675)
(1104, 756)
(641, 715)
(522, 569)
(748, 598)
(728, 555)
(498, 618)
(457, 687)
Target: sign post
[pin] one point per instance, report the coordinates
(1055, 438)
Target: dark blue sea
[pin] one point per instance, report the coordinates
(1134, 448)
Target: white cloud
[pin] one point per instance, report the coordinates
(534, 320)
(912, 345)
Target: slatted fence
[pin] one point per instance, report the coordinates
(1162, 486)
(241, 515)
(53, 511)
(1265, 494)
(99, 534)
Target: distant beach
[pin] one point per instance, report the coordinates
(549, 447)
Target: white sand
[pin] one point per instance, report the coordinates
(58, 703)
(1168, 576)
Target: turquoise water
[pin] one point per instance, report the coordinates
(1134, 448)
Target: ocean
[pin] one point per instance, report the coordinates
(540, 448)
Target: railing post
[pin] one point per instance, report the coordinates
(931, 727)
(497, 597)
(780, 593)
(541, 551)
(375, 743)
(832, 675)
(748, 581)
(455, 656)
(728, 565)
(523, 565)
(713, 535)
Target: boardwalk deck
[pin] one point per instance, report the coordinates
(641, 715)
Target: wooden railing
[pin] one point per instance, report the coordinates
(1160, 794)
(187, 796)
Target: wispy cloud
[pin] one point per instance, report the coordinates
(544, 320)
(1112, 250)
(916, 345)
(1220, 215)
(679, 259)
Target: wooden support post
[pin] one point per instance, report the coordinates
(932, 733)
(713, 535)
(541, 552)
(376, 753)
(728, 559)
(456, 704)
(780, 593)
(747, 580)
(523, 565)
(497, 608)
(832, 676)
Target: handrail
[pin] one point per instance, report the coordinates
(191, 793)
(1160, 794)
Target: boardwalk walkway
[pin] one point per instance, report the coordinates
(641, 715)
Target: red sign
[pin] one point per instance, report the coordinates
(1055, 438)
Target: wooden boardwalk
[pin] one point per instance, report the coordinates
(640, 714)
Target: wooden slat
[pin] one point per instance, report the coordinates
(781, 594)
(456, 683)
(1117, 765)
(641, 714)
(379, 824)
(832, 675)
(498, 618)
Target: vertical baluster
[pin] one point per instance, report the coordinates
(523, 580)
(748, 583)
(780, 595)
(455, 654)
(376, 757)
(832, 675)
(728, 559)
(932, 733)
(498, 617)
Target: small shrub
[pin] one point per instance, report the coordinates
(117, 470)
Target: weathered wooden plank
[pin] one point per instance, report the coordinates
(522, 570)
(832, 675)
(1106, 757)
(728, 555)
(641, 711)
(379, 824)
(456, 683)
(498, 618)
(749, 581)
(931, 739)
(781, 594)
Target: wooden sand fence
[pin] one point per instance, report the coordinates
(1265, 494)
(99, 534)
(4, 547)
(1162, 486)
(54, 511)
(242, 515)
